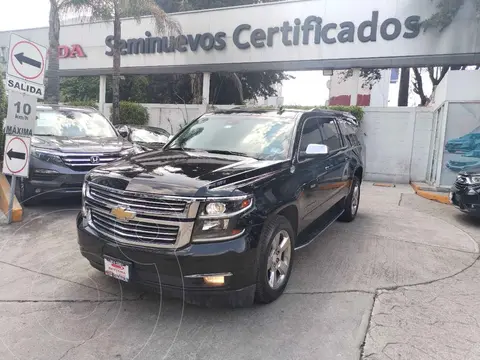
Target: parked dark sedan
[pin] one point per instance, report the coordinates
(465, 193)
(145, 137)
(66, 144)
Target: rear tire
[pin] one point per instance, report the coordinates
(277, 245)
(352, 202)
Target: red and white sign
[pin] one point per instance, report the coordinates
(74, 51)
(17, 156)
(116, 269)
(26, 60)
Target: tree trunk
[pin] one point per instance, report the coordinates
(117, 35)
(196, 81)
(418, 87)
(52, 82)
(404, 85)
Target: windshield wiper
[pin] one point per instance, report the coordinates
(228, 152)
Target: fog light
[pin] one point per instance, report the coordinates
(214, 280)
(38, 191)
(45, 171)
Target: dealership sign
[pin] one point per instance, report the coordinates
(312, 29)
(74, 51)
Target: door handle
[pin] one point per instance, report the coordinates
(328, 167)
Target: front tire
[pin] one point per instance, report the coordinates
(351, 202)
(277, 245)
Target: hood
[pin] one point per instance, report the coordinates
(80, 144)
(185, 173)
(470, 170)
(149, 146)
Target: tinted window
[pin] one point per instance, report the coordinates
(263, 136)
(310, 134)
(349, 132)
(330, 134)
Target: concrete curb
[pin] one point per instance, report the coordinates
(17, 212)
(431, 195)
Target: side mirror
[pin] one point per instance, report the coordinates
(314, 150)
(123, 131)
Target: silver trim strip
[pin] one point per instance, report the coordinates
(225, 238)
(196, 276)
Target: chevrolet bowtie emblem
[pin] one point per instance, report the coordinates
(123, 214)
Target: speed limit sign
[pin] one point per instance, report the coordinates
(21, 114)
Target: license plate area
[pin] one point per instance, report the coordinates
(117, 269)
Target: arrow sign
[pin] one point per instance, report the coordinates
(15, 155)
(25, 59)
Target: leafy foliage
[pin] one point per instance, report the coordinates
(133, 113)
(356, 111)
(446, 12)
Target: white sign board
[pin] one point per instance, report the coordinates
(17, 156)
(26, 66)
(21, 115)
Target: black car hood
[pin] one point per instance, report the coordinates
(470, 171)
(77, 144)
(185, 173)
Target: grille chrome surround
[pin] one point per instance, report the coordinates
(159, 221)
(88, 160)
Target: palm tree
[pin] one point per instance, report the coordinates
(108, 10)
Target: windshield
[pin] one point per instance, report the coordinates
(254, 135)
(143, 135)
(72, 123)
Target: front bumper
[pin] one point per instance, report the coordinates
(64, 181)
(175, 272)
(466, 199)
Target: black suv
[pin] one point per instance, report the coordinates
(216, 215)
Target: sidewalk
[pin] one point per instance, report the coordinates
(438, 320)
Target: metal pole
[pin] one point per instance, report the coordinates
(12, 197)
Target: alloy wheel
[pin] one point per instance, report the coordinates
(279, 260)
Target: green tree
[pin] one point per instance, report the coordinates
(228, 88)
(116, 10)
(443, 16)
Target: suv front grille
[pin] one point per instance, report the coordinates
(87, 161)
(134, 231)
(154, 221)
(136, 202)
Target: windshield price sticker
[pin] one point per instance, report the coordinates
(21, 114)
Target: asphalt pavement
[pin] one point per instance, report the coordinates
(400, 282)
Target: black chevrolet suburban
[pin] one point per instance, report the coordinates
(215, 216)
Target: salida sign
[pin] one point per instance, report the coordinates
(299, 33)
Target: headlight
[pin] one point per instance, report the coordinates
(84, 194)
(47, 156)
(475, 179)
(128, 151)
(218, 220)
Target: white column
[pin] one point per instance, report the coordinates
(102, 91)
(355, 85)
(206, 88)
